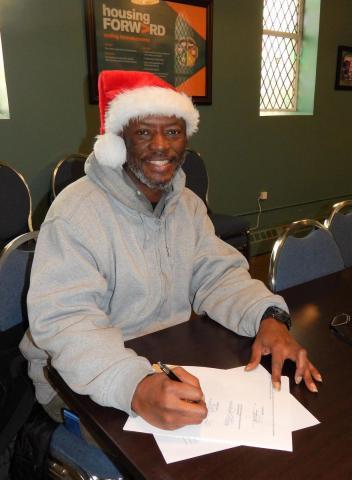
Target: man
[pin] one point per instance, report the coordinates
(126, 251)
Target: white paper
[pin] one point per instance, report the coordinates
(177, 449)
(243, 409)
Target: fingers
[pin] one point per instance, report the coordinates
(186, 377)
(305, 370)
(277, 363)
(182, 404)
(281, 349)
(274, 338)
(256, 356)
(169, 404)
(315, 373)
(301, 365)
(185, 391)
(178, 418)
(189, 379)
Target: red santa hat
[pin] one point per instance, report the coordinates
(124, 95)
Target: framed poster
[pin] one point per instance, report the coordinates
(344, 68)
(172, 39)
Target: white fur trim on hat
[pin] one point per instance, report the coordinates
(110, 150)
(144, 101)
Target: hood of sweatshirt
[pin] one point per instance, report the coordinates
(117, 183)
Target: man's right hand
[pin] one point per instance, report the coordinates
(168, 404)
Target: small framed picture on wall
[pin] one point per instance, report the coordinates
(344, 68)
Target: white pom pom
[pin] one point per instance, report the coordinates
(110, 150)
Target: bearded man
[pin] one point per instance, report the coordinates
(128, 250)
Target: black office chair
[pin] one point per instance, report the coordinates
(68, 170)
(16, 390)
(339, 223)
(305, 251)
(230, 228)
(69, 456)
(15, 205)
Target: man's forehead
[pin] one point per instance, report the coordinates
(157, 120)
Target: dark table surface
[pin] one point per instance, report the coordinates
(320, 452)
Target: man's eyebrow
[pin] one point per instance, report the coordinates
(149, 123)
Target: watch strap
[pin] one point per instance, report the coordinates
(279, 315)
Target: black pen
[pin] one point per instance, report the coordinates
(164, 368)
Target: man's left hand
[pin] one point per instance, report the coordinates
(273, 337)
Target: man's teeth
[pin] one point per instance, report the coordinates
(159, 162)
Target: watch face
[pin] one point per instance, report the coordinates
(279, 315)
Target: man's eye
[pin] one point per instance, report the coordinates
(173, 132)
(142, 132)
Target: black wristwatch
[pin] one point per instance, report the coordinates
(279, 315)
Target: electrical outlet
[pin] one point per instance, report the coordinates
(263, 196)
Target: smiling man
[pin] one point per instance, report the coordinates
(128, 250)
(155, 150)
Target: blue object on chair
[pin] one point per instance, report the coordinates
(339, 224)
(296, 260)
(75, 451)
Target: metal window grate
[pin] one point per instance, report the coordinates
(281, 43)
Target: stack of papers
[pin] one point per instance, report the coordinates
(243, 409)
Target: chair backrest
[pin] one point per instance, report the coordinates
(15, 204)
(15, 265)
(196, 174)
(299, 259)
(339, 224)
(16, 392)
(68, 170)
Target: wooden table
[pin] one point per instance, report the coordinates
(321, 452)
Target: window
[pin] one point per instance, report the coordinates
(4, 104)
(281, 50)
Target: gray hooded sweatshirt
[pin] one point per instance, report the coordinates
(108, 268)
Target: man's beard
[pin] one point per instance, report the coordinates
(139, 174)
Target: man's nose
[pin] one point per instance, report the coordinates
(159, 142)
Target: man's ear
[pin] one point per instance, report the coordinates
(124, 135)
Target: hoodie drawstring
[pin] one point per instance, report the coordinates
(166, 240)
(146, 236)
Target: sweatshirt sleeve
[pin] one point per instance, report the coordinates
(68, 305)
(221, 286)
